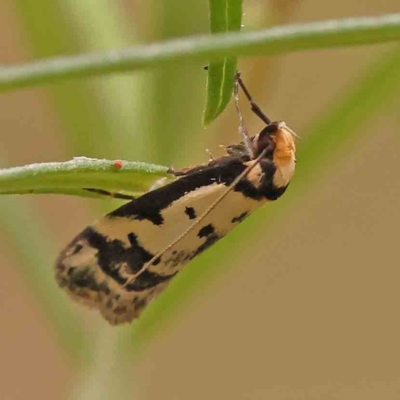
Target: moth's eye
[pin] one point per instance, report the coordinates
(263, 140)
(272, 128)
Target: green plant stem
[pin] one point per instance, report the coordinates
(71, 177)
(33, 249)
(278, 40)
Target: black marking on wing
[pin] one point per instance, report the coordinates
(240, 217)
(249, 190)
(150, 205)
(132, 239)
(147, 280)
(139, 303)
(190, 212)
(206, 231)
(83, 278)
(184, 256)
(156, 261)
(139, 212)
(177, 258)
(81, 281)
(211, 239)
(267, 187)
(113, 253)
(77, 249)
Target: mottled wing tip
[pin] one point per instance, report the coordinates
(77, 272)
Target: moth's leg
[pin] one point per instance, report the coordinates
(114, 195)
(254, 107)
(242, 129)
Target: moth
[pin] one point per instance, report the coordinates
(127, 258)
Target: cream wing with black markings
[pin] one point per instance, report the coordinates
(103, 266)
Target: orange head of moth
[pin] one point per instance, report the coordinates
(281, 139)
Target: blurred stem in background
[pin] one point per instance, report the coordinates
(106, 117)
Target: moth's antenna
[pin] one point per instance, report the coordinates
(254, 107)
(201, 217)
(242, 129)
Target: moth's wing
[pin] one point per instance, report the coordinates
(227, 214)
(97, 267)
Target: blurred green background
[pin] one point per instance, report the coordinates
(304, 302)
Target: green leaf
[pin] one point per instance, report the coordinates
(225, 16)
(276, 40)
(72, 177)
